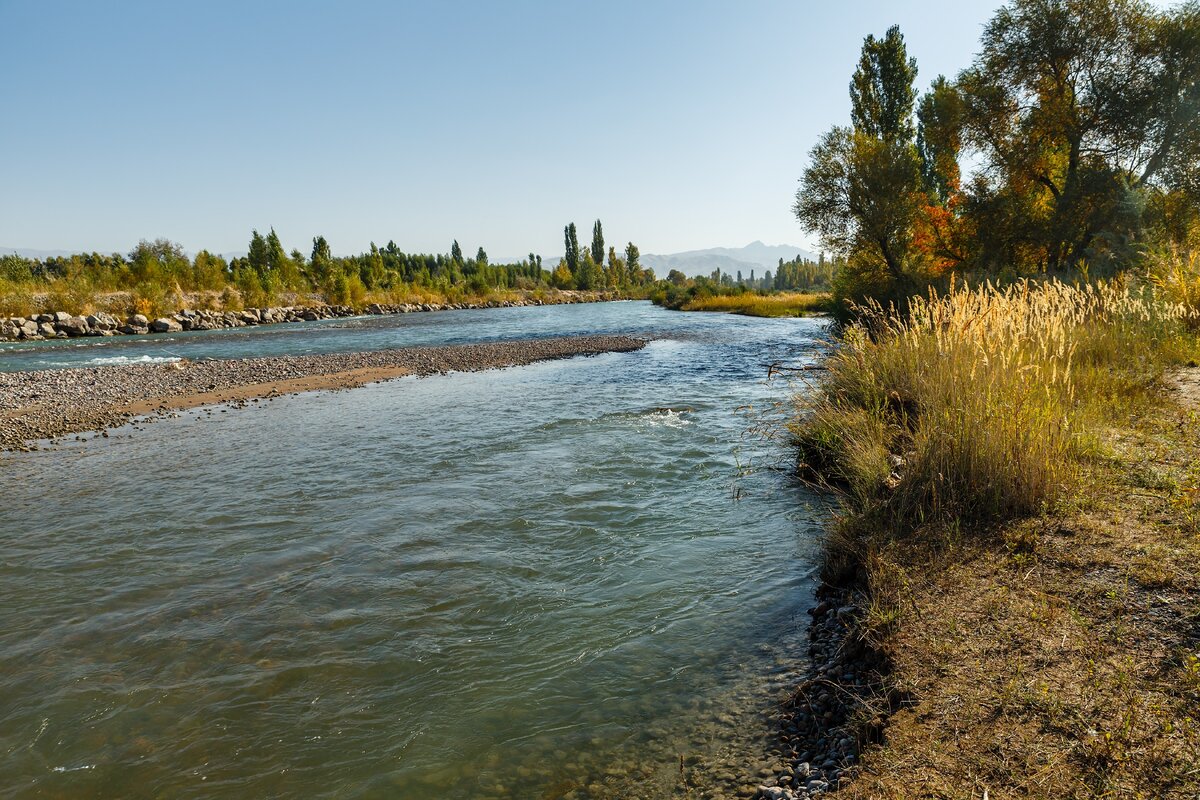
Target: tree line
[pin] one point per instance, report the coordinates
(596, 268)
(153, 269)
(1079, 120)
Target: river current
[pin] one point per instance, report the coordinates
(582, 579)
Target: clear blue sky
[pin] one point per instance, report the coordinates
(681, 125)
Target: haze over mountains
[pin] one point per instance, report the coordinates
(754, 256)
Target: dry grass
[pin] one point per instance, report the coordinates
(1020, 500)
(974, 405)
(1176, 275)
(1058, 657)
(782, 304)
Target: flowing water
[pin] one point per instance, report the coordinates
(581, 578)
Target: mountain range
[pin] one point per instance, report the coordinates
(754, 256)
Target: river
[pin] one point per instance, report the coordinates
(580, 579)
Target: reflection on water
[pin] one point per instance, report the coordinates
(574, 579)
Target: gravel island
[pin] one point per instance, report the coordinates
(50, 403)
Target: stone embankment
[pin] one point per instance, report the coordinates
(61, 325)
(51, 403)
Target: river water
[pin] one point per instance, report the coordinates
(580, 579)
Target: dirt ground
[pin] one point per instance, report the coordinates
(1057, 657)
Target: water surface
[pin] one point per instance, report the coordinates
(574, 579)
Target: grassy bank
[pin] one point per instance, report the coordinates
(738, 300)
(781, 304)
(1019, 482)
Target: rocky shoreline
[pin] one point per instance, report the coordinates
(839, 707)
(62, 325)
(46, 404)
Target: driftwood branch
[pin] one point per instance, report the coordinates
(777, 368)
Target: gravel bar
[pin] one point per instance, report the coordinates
(50, 403)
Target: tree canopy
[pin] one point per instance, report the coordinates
(1071, 142)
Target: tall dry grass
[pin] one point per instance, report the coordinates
(975, 404)
(1175, 273)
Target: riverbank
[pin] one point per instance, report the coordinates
(51, 403)
(745, 302)
(1011, 608)
(783, 304)
(65, 325)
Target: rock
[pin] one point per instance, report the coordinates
(165, 325)
(30, 328)
(97, 322)
(46, 329)
(140, 321)
(74, 326)
(59, 317)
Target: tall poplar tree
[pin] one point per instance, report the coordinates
(861, 191)
(883, 92)
(598, 243)
(571, 242)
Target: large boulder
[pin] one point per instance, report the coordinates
(59, 317)
(30, 329)
(139, 321)
(73, 326)
(165, 325)
(102, 322)
(46, 329)
(9, 329)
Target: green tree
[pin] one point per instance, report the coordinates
(882, 92)
(588, 275)
(939, 138)
(1078, 109)
(633, 261)
(597, 243)
(861, 191)
(456, 253)
(571, 242)
(258, 256)
(562, 277)
(861, 196)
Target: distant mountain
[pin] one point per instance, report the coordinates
(754, 256)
